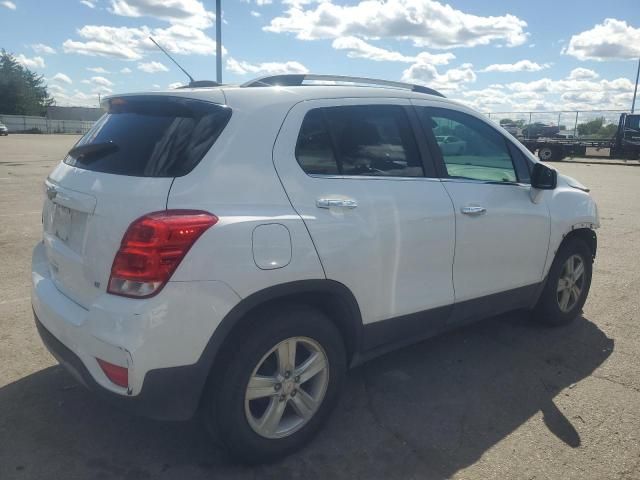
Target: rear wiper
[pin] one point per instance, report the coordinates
(95, 150)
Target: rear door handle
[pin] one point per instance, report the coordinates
(336, 202)
(473, 210)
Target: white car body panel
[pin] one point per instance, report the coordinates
(570, 208)
(238, 184)
(106, 205)
(394, 250)
(168, 330)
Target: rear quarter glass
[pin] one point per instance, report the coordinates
(150, 136)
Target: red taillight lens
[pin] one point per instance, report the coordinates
(152, 249)
(118, 375)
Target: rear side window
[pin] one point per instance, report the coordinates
(367, 140)
(314, 150)
(150, 136)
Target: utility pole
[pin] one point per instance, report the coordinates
(635, 90)
(219, 42)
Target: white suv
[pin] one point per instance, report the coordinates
(233, 250)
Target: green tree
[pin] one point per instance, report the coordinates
(591, 127)
(596, 128)
(22, 92)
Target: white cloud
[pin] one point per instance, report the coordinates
(55, 89)
(175, 85)
(130, 43)
(266, 68)
(578, 91)
(152, 67)
(125, 70)
(31, 63)
(99, 81)
(62, 78)
(77, 98)
(519, 66)
(611, 40)
(88, 3)
(358, 48)
(582, 74)
(255, 14)
(98, 70)
(425, 73)
(426, 23)
(187, 12)
(42, 48)
(263, 2)
(155, 86)
(9, 5)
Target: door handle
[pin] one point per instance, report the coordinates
(336, 202)
(473, 210)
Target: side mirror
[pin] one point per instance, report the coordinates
(543, 177)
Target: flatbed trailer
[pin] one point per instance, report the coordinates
(625, 143)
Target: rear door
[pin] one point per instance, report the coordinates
(502, 236)
(382, 226)
(120, 170)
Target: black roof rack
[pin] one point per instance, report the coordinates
(297, 79)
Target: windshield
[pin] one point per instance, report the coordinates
(150, 136)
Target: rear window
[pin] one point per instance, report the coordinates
(150, 136)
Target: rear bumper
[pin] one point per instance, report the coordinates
(167, 393)
(160, 340)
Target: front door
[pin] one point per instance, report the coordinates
(502, 236)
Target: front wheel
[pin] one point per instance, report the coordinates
(567, 284)
(281, 381)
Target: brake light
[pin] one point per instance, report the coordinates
(152, 248)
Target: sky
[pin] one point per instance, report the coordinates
(496, 56)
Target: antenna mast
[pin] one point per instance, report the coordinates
(191, 80)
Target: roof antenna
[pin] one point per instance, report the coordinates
(191, 80)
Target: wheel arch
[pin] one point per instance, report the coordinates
(333, 298)
(586, 234)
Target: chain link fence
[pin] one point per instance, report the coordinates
(567, 122)
(30, 124)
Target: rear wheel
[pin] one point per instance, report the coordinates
(567, 284)
(280, 384)
(550, 154)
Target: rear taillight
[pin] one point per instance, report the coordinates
(152, 249)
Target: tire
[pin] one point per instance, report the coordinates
(545, 154)
(549, 309)
(234, 420)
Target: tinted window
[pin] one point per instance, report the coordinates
(314, 151)
(374, 140)
(523, 165)
(150, 136)
(470, 148)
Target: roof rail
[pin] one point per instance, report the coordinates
(297, 79)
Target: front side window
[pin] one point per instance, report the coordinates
(363, 140)
(470, 148)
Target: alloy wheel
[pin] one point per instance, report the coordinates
(570, 283)
(287, 387)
